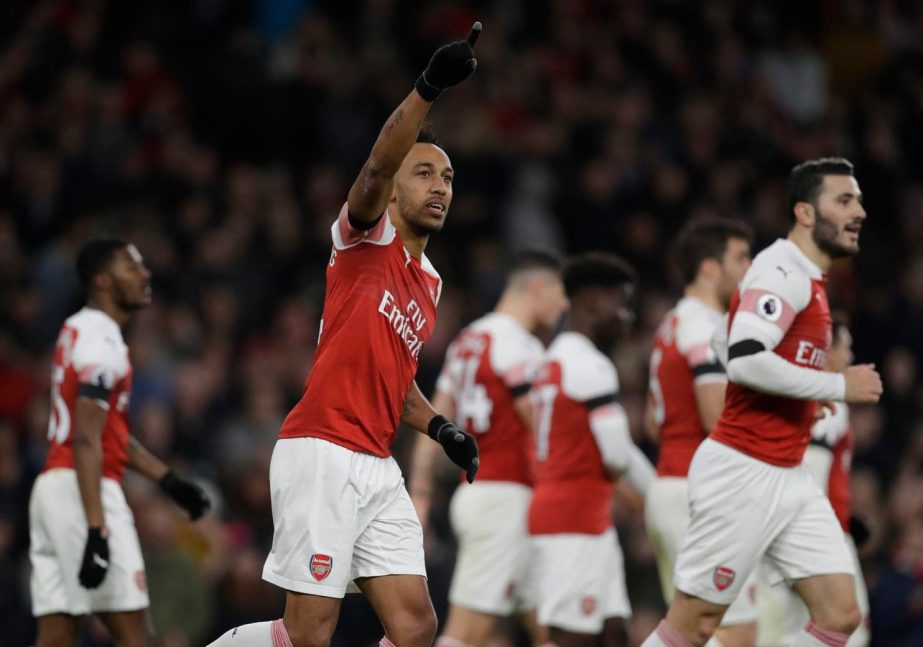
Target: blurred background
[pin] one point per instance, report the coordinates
(221, 136)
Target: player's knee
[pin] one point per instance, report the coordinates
(414, 629)
(844, 618)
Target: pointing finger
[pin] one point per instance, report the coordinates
(475, 33)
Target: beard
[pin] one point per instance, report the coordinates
(825, 236)
(418, 217)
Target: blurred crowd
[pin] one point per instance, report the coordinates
(221, 137)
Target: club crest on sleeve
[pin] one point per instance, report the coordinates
(320, 566)
(723, 577)
(588, 604)
(769, 307)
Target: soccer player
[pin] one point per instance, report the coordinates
(829, 457)
(686, 395)
(749, 494)
(582, 444)
(484, 385)
(341, 512)
(83, 545)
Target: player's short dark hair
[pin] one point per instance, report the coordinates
(805, 180)
(534, 259)
(706, 238)
(95, 256)
(596, 270)
(427, 135)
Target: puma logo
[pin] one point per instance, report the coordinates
(784, 273)
(99, 561)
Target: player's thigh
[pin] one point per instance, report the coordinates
(127, 628)
(615, 633)
(57, 630)
(472, 628)
(310, 620)
(315, 510)
(403, 606)
(666, 516)
(493, 558)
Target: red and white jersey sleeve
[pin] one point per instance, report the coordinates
(90, 351)
(782, 304)
(681, 358)
(379, 310)
(488, 365)
(834, 433)
(573, 488)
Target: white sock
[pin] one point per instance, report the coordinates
(814, 636)
(259, 634)
(666, 636)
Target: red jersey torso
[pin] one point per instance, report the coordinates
(487, 367)
(90, 350)
(782, 286)
(573, 490)
(379, 310)
(681, 358)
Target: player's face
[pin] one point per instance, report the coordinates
(840, 355)
(423, 188)
(838, 216)
(734, 265)
(131, 279)
(550, 300)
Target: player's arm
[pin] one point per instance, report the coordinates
(187, 494)
(620, 455)
(427, 457)
(651, 428)
(371, 191)
(459, 445)
(709, 399)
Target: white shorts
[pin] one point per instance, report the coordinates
(581, 581)
(58, 535)
(666, 513)
(339, 515)
(492, 570)
(743, 508)
(783, 614)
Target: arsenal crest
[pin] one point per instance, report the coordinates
(588, 604)
(141, 580)
(320, 566)
(723, 577)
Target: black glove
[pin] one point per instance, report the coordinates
(859, 531)
(450, 65)
(95, 559)
(188, 495)
(458, 444)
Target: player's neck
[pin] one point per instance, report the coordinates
(106, 305)
(414, 241)
(803, 240)
(583, 326)
(706, 294)
(519, 310)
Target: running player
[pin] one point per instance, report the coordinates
(829, 457)
(83, 545)
(341, 512)
(748, 491)
(582, 444)
(686, 395)
(484, 385)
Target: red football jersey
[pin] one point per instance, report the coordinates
(573, 490)
(90, 350)
(379, 310)
(783, 293)
(487, 367)
(681, 358)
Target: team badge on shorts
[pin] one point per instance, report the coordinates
(588, 604)
(320, 566)
(723, 577)
(141, 580)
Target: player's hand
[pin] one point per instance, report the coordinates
(450, 65)
(95, 558)
(459, 445)
(187, 494)
(863, 384)
(859, 531)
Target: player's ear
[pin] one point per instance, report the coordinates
(804, 213)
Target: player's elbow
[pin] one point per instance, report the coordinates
(740, 371)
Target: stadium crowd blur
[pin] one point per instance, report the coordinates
(221, 137)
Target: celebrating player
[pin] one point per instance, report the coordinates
(829, 457)
(484, 385)
(84, 548)
(341, 512)
(686, 395)
(749, 493)
(582, 444)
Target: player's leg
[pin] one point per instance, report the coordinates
(738, 626)
(831, 601)
(615, 633)
(538, 633)
(860, 637)
(403, 606)
(666, 516)
(466, 628)
(127, 628)
(57, 630)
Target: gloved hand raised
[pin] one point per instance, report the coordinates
(459, 445)
(450, 65)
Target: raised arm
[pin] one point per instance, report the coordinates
(451, 64)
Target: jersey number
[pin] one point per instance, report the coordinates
(542, 405)
(59, 422)
(474, 405)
